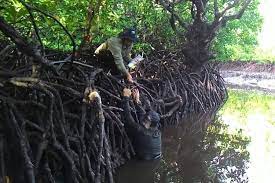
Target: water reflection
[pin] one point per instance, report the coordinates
(199, 149)
(255, 114)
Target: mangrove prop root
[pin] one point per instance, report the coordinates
(49, 123)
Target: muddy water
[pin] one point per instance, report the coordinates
(258, 81)
(178, 154)
(236, 145)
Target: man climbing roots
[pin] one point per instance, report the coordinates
(114, 54)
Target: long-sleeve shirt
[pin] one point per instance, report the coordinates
(120, 52)
(146, 142)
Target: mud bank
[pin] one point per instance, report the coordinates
(249, 76)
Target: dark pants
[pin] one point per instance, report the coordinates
(137, 171)
(107, 63)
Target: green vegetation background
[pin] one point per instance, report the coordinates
(236, 41)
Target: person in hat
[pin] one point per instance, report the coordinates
(145, 134)
(114, 54)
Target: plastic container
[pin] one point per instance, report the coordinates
(134, 62)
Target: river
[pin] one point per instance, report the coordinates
(237, 144)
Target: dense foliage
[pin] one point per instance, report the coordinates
(238, 40)
(107, 18)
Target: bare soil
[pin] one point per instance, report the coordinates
(250, 66)
(248, 76)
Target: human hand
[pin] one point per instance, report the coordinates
(129, 78)
(127, 92)
(94, 96)
(91, 96)
(136, 95)
(180, 99)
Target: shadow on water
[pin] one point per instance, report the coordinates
(199, 149)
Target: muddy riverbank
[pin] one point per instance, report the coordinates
(249, 76)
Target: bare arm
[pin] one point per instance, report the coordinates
(129, 120)
(102, 47)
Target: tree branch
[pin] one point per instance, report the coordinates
(199, 8)
(21, 42)
(230, 6)
(237, 15)
(192, 9)
(61, 25)
(216, 8)
(221, 19)
(34, 25)
(173, 22)
(169, 8)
